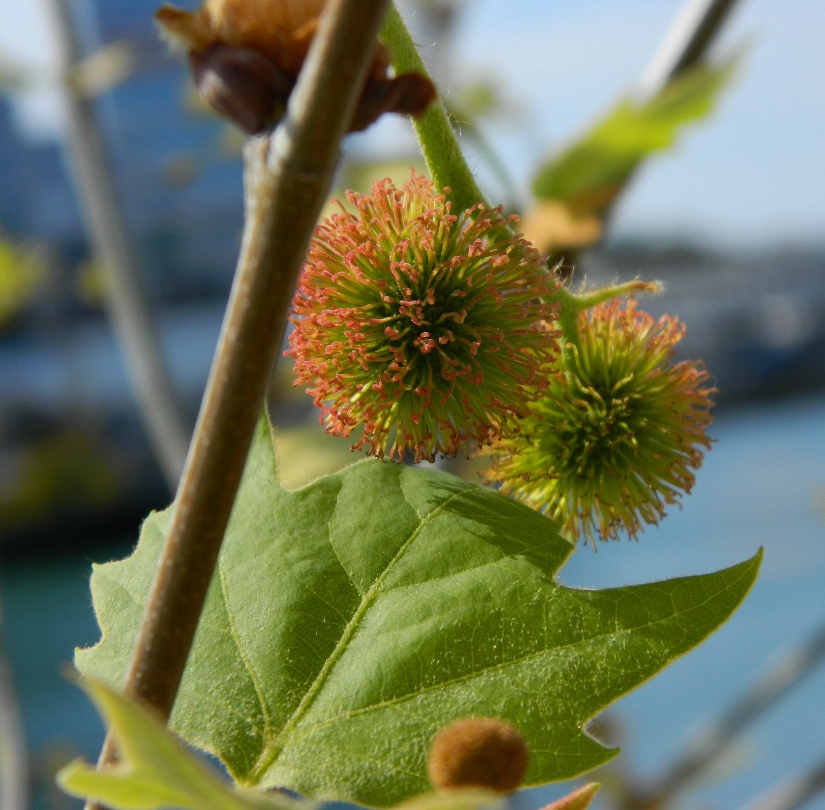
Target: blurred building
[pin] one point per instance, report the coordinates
(66, 407)
(179, 179)
(36, 199)
(176, 167)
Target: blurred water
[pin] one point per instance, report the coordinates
(83, 364)
(762, 485)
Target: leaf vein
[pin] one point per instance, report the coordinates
(335, 550)
(235, 636)
(616, 635)
(273, 750)
(463, 571)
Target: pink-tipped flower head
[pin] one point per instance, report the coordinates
(616, 436)
(425, 327)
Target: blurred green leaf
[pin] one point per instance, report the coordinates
(590, 173)
(103, 69)
(359, 175)
(350, 620)
(21, 277)
(155, 769)
(65, 471)
(306, 453)
(476, 99)
(457, 799)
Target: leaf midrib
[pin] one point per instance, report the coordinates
(487, 670)
(273, 749)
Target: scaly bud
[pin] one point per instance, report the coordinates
(245, 57)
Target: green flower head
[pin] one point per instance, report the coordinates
(423, 326)
(615, 437)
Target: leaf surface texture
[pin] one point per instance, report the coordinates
(350, 620)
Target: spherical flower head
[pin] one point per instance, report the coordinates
(614, 439)
(424, 326)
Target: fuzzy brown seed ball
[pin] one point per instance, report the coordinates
(478, 752)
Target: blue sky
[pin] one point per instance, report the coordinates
(754, 175)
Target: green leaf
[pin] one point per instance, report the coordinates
(155, 769)
(457, 799)
(589, 173)
(350, 620)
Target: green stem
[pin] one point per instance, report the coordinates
(439, 145)
(571, 304)
(569, 310)
(608, 293)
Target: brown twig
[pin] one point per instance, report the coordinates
(126, 302)
(287, 178)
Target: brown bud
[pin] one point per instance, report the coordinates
(478, 752)
(245, 57)
(241, 85)
(407, 94)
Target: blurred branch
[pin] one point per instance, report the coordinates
(129, 309)
(779, 679)
(793, 794)
(468, 128)
(685, 43)
(684, 47)
(14, 772)
(436, 24)
(287, 178)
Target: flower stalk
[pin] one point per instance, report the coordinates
(439, 144)
(571, 305)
